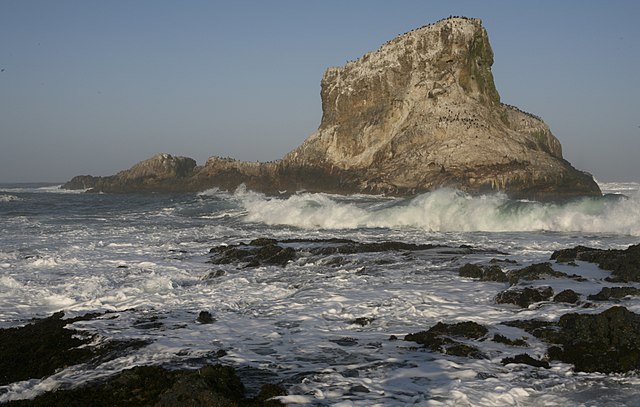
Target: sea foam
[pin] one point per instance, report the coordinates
(447, 210)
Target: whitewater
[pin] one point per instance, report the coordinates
(145, 259)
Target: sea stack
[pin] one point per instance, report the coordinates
(420, 113)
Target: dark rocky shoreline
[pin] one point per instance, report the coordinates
(606, 342)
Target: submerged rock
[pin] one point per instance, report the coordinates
(511, 342)
(441, 338)
(420, 113)
(526, 359)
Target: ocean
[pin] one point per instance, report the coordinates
(321, 324)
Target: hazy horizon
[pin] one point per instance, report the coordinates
(90, 87)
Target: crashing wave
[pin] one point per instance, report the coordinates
(447, 210)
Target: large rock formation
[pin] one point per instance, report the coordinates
(421, 112)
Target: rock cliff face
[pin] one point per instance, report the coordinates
(421, 112)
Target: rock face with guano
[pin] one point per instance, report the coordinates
(420, 113)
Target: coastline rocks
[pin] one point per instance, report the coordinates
(420, 113)
(271, 252)
(623, 264)
(211, 385)
(40, 348)
(608, 342)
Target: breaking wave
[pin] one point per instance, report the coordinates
(9, 198)
(447, 210)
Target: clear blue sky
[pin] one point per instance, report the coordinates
(92, 87)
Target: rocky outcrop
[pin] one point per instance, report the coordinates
(623, 264)
(420, 113)
(608, 342)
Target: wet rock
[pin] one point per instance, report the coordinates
(211, 385)
(440, 338)
(607, 342)
(483, 273)
(362, 321)
(264, 252)
(346, 341)
(543, 330)
(524, 297)
(608, 293)
(359, 389)
(205, 317)
(511, 342)
(150, 322)
(39, 349)
(623, 264)
(570, 255)
(534, 272)
(213, 274)
(263, 241)
(526, 359)
(569, 296)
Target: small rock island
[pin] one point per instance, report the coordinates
(420, 113)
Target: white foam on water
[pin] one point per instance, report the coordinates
(297, 321)
(448, 210)
(9, 198)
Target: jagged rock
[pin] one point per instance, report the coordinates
(534, 272)
(606, 342)
(623, 264)
(440, 338)
(205, 317)
(569, 296)
(265, 253)
(526, 359)
(420, 113)
(362, 321)
(524, 297)
(543, 330)
(511, 342)
(484, 273)
(617, 293)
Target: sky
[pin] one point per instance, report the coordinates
(92, 87)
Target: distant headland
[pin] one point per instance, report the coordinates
(420, 113)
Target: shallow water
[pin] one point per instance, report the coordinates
(144, 258)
